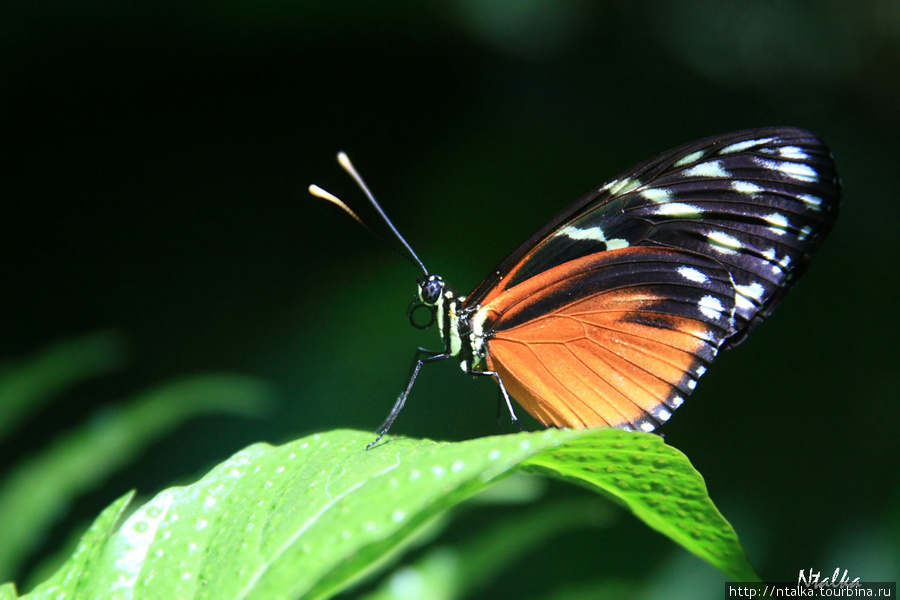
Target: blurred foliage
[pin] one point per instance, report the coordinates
(27, 386)
(43, 488)
(156, 156)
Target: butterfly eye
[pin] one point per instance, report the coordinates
(431, 289)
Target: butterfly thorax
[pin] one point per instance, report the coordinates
(459, 325)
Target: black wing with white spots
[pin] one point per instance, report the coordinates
(759, 202)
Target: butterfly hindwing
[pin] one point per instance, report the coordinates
(615, 338)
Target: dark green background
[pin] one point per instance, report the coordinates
(155, 163)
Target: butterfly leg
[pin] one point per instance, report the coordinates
(418, 361)
(504, 398)
(420, 352)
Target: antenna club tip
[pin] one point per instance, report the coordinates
(325, 195)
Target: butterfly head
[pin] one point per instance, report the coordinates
(428, 296)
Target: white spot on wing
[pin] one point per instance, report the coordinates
(723, 242)
(592, 233)
(813, 201)
(692, 274)
(621, 187)
(793, 152)
(647, 426)
(677, 209)
(793, 170)
(661, 414)
(711, 307)
(779, 222)
(781, 265)
(677, 401)
(754, 290)
(745, 187)
(745, 145)
(743, 303)
(746, 294)
(707, 169)
(657, 195)
(690, 158)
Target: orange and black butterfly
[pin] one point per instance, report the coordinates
(611, 312)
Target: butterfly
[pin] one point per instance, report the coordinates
(610, 313)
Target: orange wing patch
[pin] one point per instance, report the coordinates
(622, 357)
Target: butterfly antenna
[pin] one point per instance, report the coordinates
(318, 192)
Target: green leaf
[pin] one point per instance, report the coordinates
(27, 386)
(662, 488)
(67, 581)
(40, 489)
(8, 591)
(308, 518)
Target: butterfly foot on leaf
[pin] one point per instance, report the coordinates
(376, 440)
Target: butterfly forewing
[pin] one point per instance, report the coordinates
(758, 201)
(610, 312)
